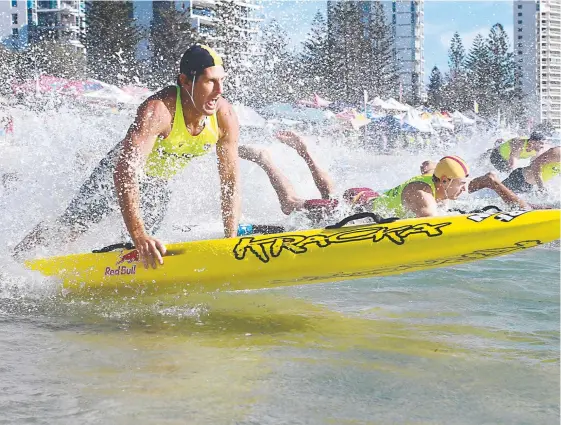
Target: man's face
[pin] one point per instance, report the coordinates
(454, 187)
(207, 89)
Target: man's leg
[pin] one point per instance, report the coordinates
(155, 197)
(321, 177)
(95, 199)
(285, 191)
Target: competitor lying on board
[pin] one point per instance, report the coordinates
(542, 169)
(419, 196)
(505, 156)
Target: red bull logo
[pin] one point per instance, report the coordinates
(122, 269)
(129, 257)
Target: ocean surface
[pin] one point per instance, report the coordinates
(471, 344)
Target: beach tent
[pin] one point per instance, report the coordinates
(414, 120)
(462, 119)
(379, 103)
(397, 106)
(356, 119)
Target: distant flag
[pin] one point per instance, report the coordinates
(475, 107)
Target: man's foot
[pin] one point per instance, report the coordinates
(293, 140)
(260, 156)
(34, 238)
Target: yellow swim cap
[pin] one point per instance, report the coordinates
(452, 167)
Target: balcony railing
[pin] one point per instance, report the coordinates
(251, 19)
(206, 13)
(248, 5)
(204, 3)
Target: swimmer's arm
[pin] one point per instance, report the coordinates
(491, 181)
(552, 155)
(546, 147)
(137, 145)
(418, 198)
(536, 170)
(478, 183)
(227, 151)
(516, 149)
(508, 195)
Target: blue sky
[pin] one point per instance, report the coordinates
(442, 19)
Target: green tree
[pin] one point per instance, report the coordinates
(456, 55)
(111, 40)
(171, 34)
(478, 69)
(315, 61)
(8, 68)
(435, 89)
(232, 41)
(501, 69)
(58, 59)
(275, 79)
(349, 50)
(456, 87)
(381, 75)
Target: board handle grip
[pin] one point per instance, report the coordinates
(113, 247)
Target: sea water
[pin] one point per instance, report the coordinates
(471, 344)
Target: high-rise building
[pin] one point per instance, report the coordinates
(22, 21)
(62, 20)
(16, 17)
(203, 18)
(406, 18)
(537, 51)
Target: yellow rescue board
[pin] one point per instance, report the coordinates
(311, 256)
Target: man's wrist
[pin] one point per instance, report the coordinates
(138, 232)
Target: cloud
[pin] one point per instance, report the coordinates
(469, 36)
(436, 29)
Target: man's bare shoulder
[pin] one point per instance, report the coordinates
(224, 108)
(165, 95)
(416, 187)
(159, 105)
(226, 116)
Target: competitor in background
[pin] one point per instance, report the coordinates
(505, 156)
(420, 196)
(540, 171)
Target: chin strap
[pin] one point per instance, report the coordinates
(192, 94)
